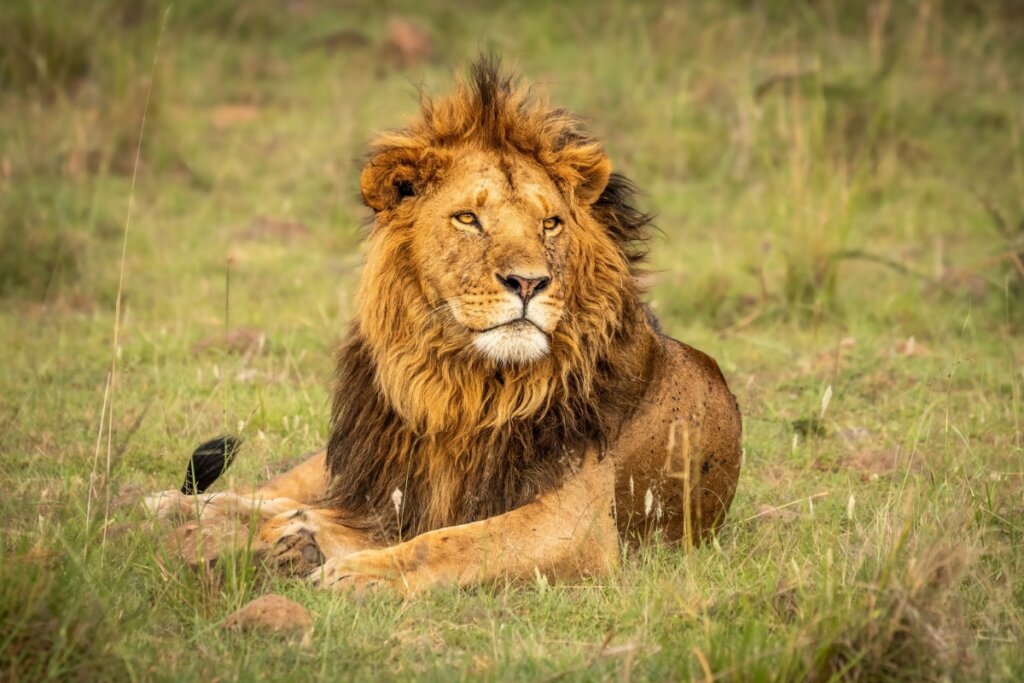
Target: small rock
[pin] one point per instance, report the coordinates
(274, 614)
(406, 44)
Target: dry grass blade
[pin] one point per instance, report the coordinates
(116, 337)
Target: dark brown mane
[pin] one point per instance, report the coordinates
(628, 226)
(483, 464)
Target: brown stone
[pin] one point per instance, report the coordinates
(271, 613)
(407, 44)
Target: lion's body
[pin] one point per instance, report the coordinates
(503, 398)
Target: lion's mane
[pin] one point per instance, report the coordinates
(461, 438)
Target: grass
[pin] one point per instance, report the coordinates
(840, 192)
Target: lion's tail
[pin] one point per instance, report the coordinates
(208, 462)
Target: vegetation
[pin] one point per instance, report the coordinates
(840, 190)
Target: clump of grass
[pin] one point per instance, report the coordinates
(87, 97)
(52, 628)
(40, 54)
(86, 93)
(50, 49)
(54, 238)
(41, 243)
(908, 626)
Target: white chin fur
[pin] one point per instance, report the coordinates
(520, 343)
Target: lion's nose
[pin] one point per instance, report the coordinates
(524, 287)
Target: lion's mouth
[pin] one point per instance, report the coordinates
(517, 342)
(514, 324)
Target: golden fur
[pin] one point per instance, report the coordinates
(502, 389)
(416, 408)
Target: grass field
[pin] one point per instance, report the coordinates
(840, 192)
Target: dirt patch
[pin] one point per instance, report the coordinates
(777, 513)
(910, 348)
(870, 464)
(202, 543)
(241, 340)
(282, 229)
(338, 41)
(230, 115)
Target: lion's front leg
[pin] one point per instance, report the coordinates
(298, 542)
(210, 524)
(565, 534)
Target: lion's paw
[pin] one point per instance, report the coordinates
(339, 575)
(295, 553)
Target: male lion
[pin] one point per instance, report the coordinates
(505, 404)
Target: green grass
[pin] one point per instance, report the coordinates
(841, 201)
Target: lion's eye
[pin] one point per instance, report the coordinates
(552, 223)
(466, 218)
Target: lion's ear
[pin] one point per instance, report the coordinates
(392, 175)
(589, 170)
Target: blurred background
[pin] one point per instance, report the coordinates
(839, 188)
(792, 150)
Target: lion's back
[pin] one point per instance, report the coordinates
(688, 427)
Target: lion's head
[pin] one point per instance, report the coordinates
(490, 243)
(498, 300)
(489, 200)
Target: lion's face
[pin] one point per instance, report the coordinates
(501, 239)
(492, 241)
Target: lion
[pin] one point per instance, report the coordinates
(505, 404)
